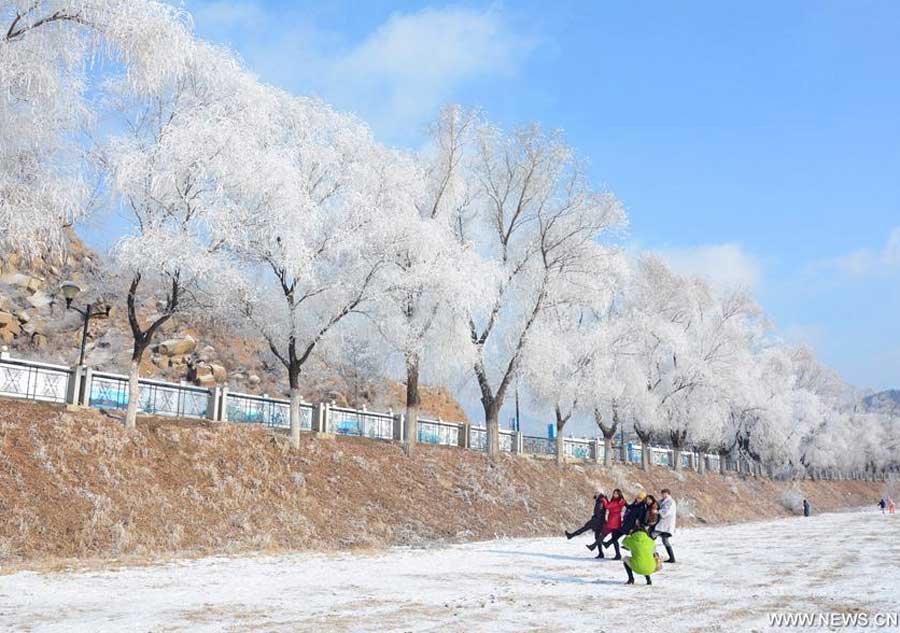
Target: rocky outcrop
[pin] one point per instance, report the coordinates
(34, 323)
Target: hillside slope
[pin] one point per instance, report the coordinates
(76, 484)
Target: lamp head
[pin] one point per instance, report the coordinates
(70, 290)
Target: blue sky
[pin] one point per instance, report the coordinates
(756, 143)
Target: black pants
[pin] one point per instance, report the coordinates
(614, 541)
(598, 542)
(584, 528)
(631, 575)
(665, 541)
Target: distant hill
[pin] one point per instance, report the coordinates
(883, 400)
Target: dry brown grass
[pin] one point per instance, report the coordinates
(76, 485)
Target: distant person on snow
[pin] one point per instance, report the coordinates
(633, 517)
(643, 557)
(805, 508)
(614, 507)
(666, 526)
(892, 508)
(882, 504)
(595, 523)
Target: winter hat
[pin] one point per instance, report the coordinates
(641, 495)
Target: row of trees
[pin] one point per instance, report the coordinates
(487, 252)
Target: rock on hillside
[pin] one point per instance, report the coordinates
(35, 324)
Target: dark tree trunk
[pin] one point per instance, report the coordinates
(141, 341)
(645, 438)
(609, 432)
(412, 403)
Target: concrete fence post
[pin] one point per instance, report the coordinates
(320, 418)
(223, 404)
(464, 435)
(399, 427)
(213, 402)
(86, 381)
(73, 389)
(596, 447)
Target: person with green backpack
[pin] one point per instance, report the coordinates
(643, 558)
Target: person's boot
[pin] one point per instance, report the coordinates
(569, 535)
(649, 582)
(618, 552)
(630, 580)
(592, 546)
(600, 555)
(670, 553)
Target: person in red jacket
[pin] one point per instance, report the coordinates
(614, 506)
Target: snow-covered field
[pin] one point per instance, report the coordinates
(727, 579)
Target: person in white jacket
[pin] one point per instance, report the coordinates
(666, 526)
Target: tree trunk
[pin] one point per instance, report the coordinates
(701, 463)
(676, 456)
(134, 395)
(645, 455)
(412, 403)
(608, 431)
(607, 450)
(492, 423)
(560, 441)
(723, 462)
(294, 380)
(142, 340)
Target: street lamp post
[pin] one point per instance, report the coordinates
(70, 291)
(517, 403)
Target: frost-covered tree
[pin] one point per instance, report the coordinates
(557, 363)
(315, 230)
(538, 221)
(434, 278)
(572, 343)
(169, 172)
(52, 52)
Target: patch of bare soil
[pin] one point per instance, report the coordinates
(77, 485)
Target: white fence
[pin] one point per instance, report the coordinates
(59, 384)
(440, 432)
(155, 397)
(35, 381)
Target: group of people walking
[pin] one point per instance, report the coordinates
(885, 503)
(640, 522)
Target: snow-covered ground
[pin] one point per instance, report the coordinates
(727, 579)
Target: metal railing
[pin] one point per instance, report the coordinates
(34, 381)
(634, 454)
(578, 448)
(59, 384)
(532, 445)
(478, 439)
(273, 412)
(438, 432)
(362, 423)
(661, 457)
(110, 391)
